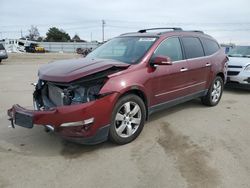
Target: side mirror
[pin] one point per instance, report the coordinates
(161, 60)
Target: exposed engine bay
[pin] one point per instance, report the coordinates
(51, 94)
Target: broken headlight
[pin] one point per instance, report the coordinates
(80, 94)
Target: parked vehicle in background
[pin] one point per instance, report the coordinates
(239, 67)
(83, 51)
(34, 48)
(3, 53)
(114, 90)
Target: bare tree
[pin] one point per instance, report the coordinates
(33, 33)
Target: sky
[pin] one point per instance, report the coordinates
(225, 20)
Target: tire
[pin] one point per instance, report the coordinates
(128, 118)
(214, 93)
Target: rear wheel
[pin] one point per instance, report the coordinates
(128, 119)
(214, 93)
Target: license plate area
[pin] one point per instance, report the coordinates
(23, 120)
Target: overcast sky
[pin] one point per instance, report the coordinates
(227, 21)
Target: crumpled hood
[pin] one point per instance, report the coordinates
(70, 70)
(240, 61)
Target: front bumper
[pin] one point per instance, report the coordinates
(3, 56)
(100, 110)
(241, 77)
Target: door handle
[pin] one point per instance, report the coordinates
(183, 69)
(208, 64)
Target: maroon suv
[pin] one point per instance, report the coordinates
(112, 92)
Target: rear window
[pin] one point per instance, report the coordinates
(193, 47)
(210, 46)
(1, 47)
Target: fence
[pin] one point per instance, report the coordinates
(66, 46)
(15, 45)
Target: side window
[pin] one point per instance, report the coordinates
(171, 48)
(210, 46)
(193, 47)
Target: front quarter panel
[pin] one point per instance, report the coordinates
(132, 79)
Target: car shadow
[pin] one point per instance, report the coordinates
(37, 142)
(71, 150)
(40, 143)
(74, 150)
(195, 103)
(240, 91)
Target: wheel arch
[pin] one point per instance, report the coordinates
(222, 75)
(136, 91)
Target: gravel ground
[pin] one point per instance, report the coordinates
(185, 146)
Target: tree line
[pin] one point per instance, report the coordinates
(54, 34)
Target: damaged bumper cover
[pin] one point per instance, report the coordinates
(86, 123)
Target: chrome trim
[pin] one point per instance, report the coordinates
(78, 123)
(180, 89)
(176, 101)
(184, 69)
(50, 128)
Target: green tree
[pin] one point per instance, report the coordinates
(56, 35)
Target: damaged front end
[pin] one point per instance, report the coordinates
(76, 110)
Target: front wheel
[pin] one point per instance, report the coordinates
(128, 119)
(214, 93)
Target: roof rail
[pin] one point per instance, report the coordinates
(160, 28)
(198, 31)
(127, 33)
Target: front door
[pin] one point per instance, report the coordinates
(170, 81)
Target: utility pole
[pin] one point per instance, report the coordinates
(21, 33)
(103, 24)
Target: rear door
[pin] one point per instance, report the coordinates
(170, 81)
(199, 65)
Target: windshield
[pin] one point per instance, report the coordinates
(239, 51)
(126, 49)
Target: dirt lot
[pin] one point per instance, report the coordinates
(186, 146)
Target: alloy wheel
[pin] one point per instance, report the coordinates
(216, 93)
(128, 119)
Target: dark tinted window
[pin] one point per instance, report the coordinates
(171, 48)
(210, 46)
(1, 47)
(193, 47)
